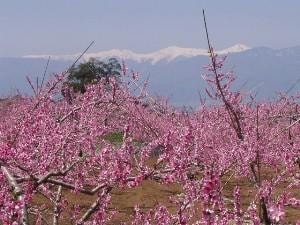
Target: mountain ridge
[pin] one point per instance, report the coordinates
(264, 70)
(168, 54)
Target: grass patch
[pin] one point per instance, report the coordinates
(114, 138)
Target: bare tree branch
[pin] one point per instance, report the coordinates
(17, 192)
(57, 207)
(94, 207)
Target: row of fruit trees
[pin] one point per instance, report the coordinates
(51, 144)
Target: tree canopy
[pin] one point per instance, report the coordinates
(93, 71)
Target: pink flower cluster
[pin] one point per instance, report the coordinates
(49, 143)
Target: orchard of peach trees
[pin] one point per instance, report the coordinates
(53, 145)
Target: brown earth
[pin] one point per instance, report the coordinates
(150, 193)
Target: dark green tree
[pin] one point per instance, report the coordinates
(93, 71)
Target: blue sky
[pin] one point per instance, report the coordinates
(68, 26)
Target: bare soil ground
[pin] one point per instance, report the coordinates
(150, 193)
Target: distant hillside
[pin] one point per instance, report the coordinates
(13, 72)
(261, 70)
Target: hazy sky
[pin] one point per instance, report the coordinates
(68, 26)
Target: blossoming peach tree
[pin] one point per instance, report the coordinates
(52, 144)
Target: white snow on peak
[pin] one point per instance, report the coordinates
(122, 54)
(168, 54)
(173, 52)
(234, 49)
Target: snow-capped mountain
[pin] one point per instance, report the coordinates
(168, 54)
(175, 72)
